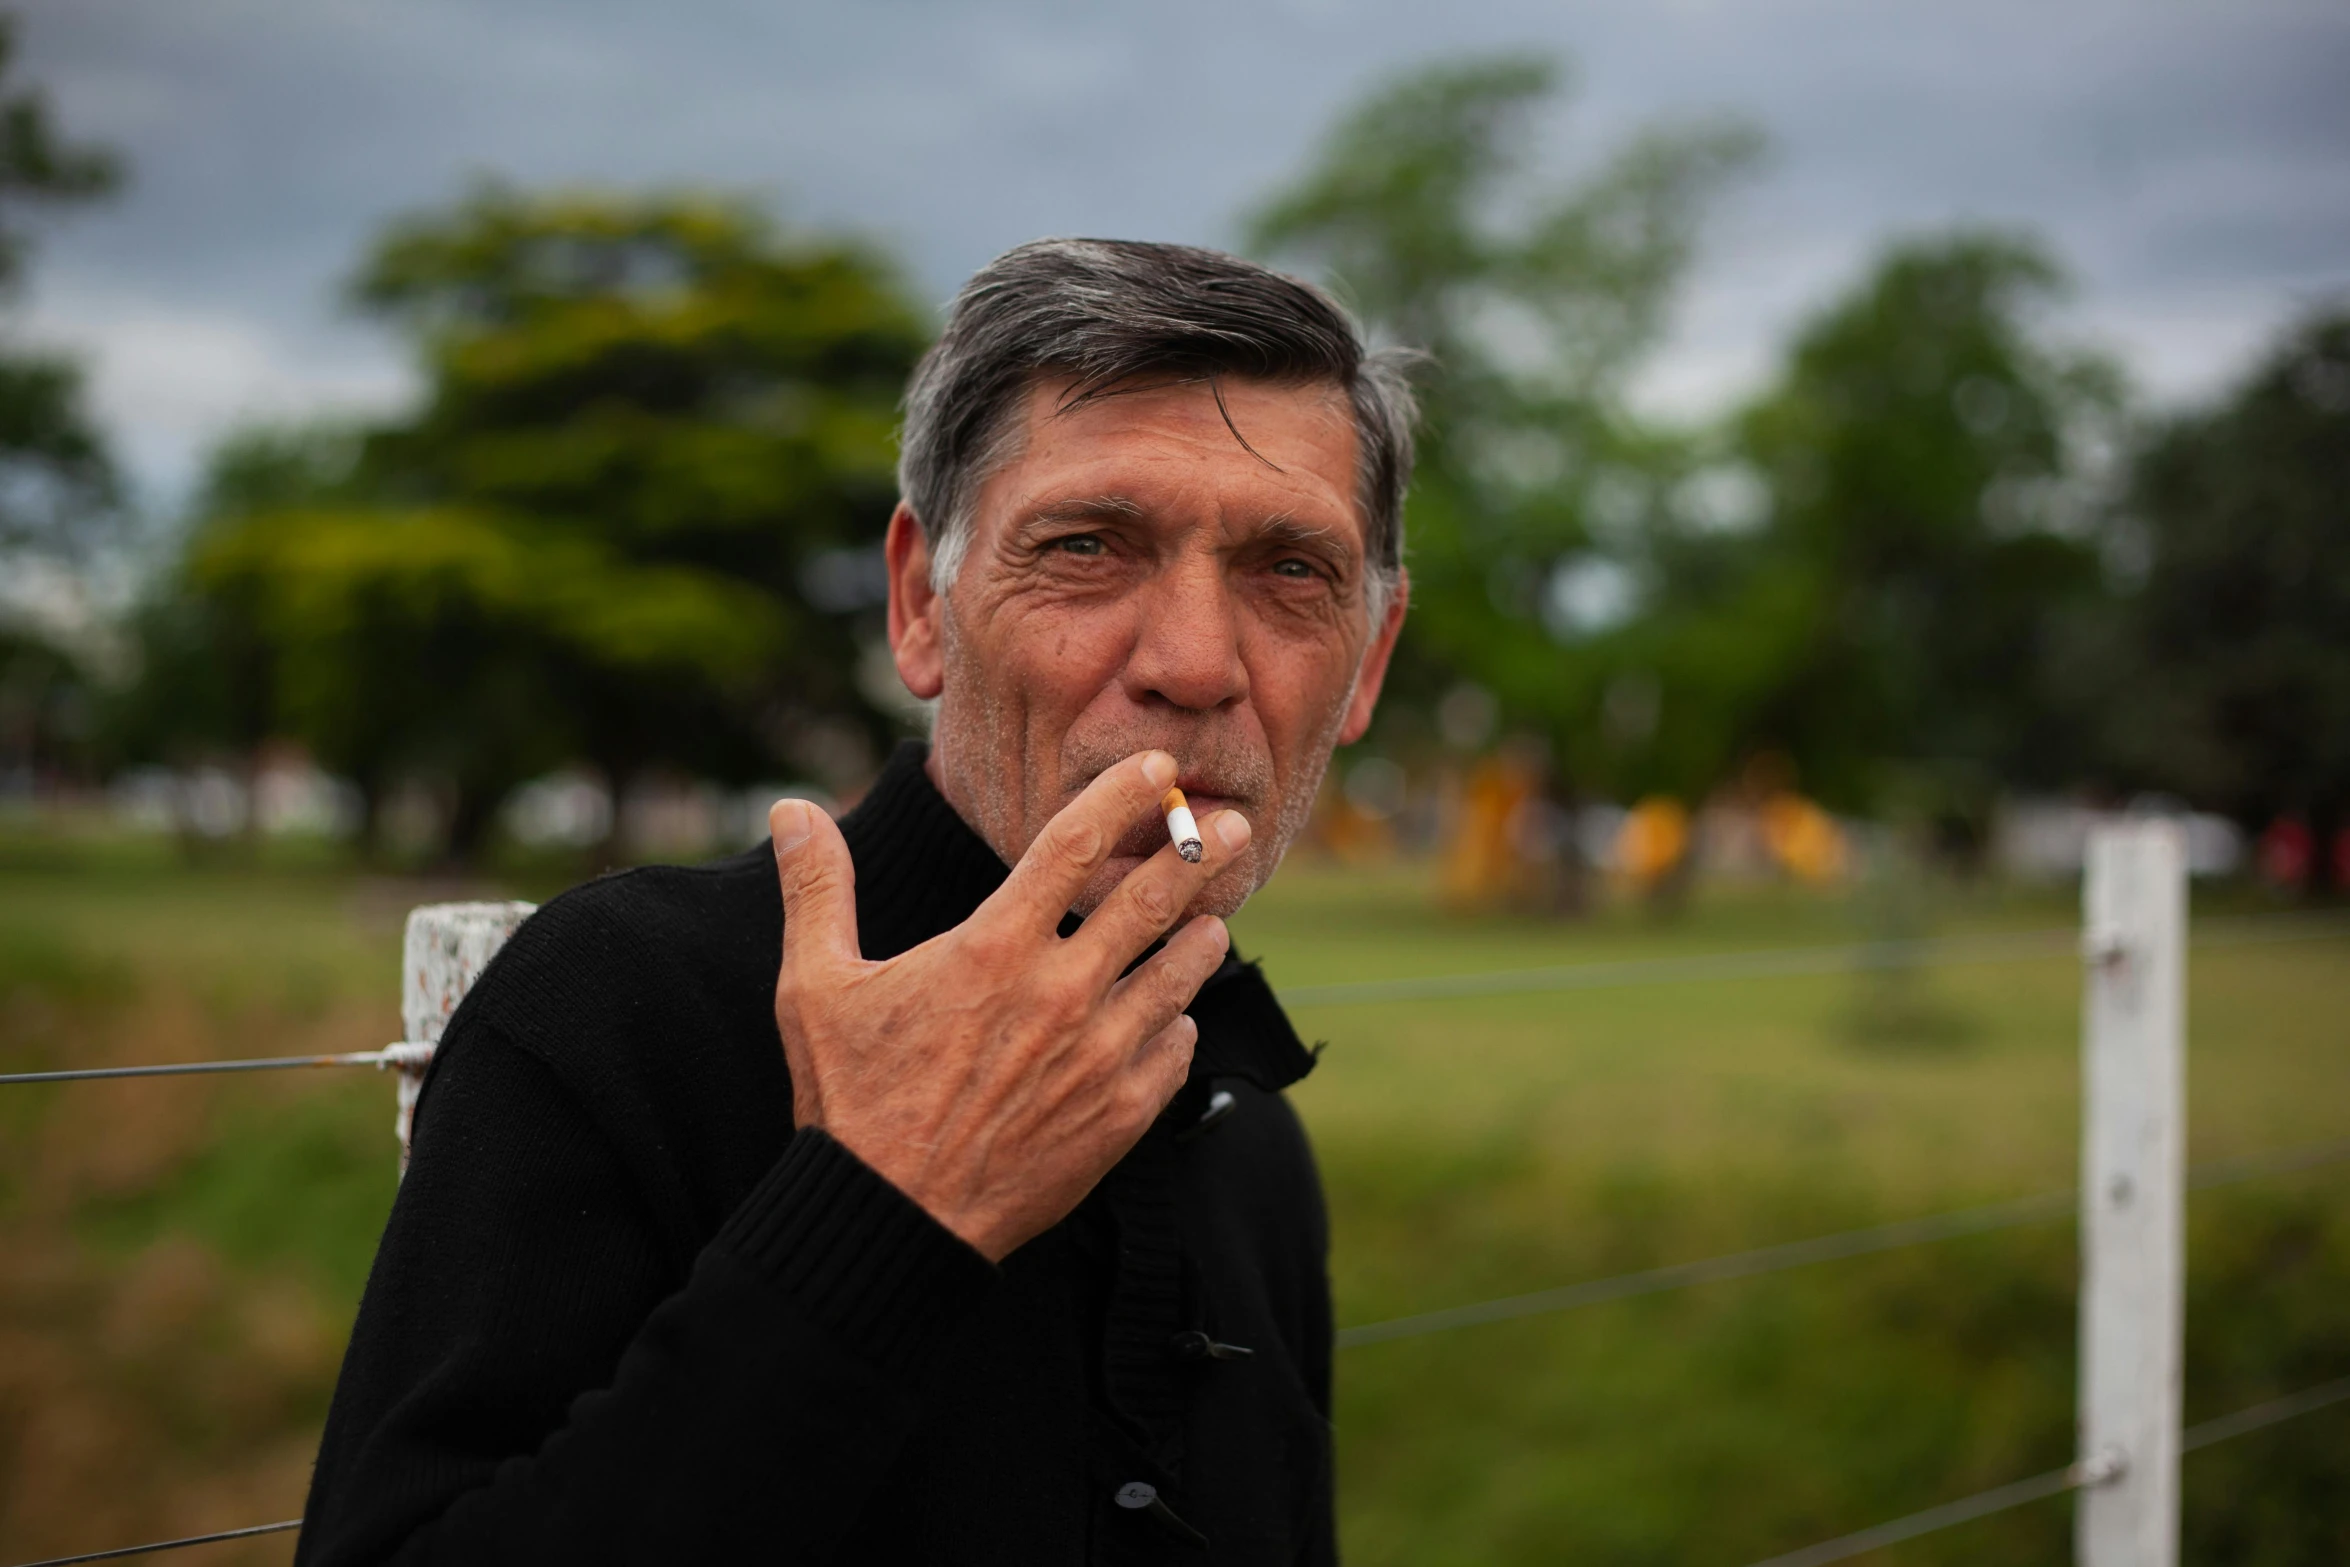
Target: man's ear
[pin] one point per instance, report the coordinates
(916, 639)
(1359, 707)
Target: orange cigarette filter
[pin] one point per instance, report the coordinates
(1180, 825)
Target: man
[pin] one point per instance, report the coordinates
(974, 1229)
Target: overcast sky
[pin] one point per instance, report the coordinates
(2190, 159)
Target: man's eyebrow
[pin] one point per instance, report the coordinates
(1285, 529)
(1086, 508)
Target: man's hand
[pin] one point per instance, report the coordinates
(996, 1072)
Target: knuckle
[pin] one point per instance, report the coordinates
(1169, 1071)
(1175, 983)
(1050, 1012)
(1066, 1006)
(1139, 1100)
(791, 1015)
(1074, 844)
(1154, 900)
(812, 878)
(809, 1002)
(988, 949)
(1205, 951)
(1180, 1037)
(1178, 1068)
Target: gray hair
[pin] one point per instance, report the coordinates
(1106, 313)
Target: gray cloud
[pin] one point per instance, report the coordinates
(2191, 160)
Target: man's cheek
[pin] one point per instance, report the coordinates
(1295, 680)
(1105, 621)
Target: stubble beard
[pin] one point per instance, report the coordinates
(970, 714)
(993, 799)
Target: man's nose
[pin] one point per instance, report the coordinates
(1187, 647)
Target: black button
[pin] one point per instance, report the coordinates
(1221, 1104)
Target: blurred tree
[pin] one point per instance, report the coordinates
(206, 686)
(1536, 302)
(60, 496)
(644, 420)
(1929, 527)
(58, 487)
(2232, 685)
(1861, 577)
(46, 717)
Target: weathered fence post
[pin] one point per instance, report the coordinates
(447, 947)
(2133, 1157)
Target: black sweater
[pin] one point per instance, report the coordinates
(622, 1312)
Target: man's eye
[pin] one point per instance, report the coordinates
(1080, 544)
(1298, 569)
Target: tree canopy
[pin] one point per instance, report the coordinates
(643, 419)
(1860, 576)
(1925, 453)
(2230, 683)
(1535, 299)
(58, 485)
(628, 519)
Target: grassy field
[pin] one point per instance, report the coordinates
(179, 1260)
(1481, 1148)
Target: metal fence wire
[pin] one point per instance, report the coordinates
(1715, 967)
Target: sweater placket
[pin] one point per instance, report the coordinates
(1140, 1375)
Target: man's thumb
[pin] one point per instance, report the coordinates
(819, 882)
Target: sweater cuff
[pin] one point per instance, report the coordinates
(859, 1257)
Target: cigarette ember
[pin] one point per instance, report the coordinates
(1180, 826)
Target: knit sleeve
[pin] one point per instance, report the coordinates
(529, 1381)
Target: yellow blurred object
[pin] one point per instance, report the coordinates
(1485, 863)
(1351, 834)
(1654, 837)
(1803, 839)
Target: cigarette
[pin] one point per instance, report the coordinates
(1180, 826)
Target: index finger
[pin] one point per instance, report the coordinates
(1078, 840)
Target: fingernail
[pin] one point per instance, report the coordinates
(788, 824)
(1159, 768)
(1233, 828)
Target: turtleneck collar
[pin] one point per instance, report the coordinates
(921, 870)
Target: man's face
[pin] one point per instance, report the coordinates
(1136, 578)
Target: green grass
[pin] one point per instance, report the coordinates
(1494, 1146)
(1472, 1148)
(301, 1186)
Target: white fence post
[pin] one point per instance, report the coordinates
(2133, 1157)
(447, 947)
